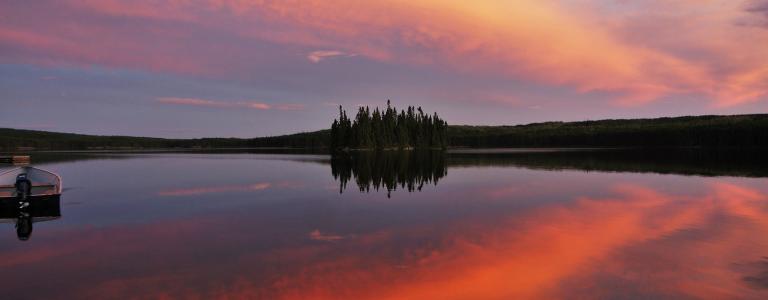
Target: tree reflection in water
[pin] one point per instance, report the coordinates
(410, 170)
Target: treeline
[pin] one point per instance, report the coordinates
(388, 129)
(13, 140)
(698, 131)
(701, 131)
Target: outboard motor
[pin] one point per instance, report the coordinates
(23, 187)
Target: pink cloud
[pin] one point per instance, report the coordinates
(257, 105)
(642, 52)
(320, 55)
(217, 103)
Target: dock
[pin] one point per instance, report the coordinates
(15, 159)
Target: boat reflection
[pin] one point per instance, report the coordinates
(410, 170)
(39, 209)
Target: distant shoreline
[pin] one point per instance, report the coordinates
(149, 150)
(453, 150)
(695, 131)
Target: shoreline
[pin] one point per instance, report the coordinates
(325, 150)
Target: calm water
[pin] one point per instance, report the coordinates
(470, 225)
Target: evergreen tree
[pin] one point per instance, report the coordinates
(410, 128)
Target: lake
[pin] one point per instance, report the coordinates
(491, 224)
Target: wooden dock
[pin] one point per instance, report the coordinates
(15, 159)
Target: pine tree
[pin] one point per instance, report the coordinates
(410, 128)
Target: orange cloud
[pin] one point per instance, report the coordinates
(320, 55)
(541, 41)
(639, 51)
(212, 103)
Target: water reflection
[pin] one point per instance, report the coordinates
(637, 242)
(215, 189)
(410, 170)
(687, 161)
(498, 226)
(39, 209)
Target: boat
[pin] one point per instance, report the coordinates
(42, 183)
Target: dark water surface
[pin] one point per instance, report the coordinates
(468, 225)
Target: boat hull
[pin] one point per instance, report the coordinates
(44, 183)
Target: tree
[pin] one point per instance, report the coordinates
(410, 128)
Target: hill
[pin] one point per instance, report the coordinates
(19, 139)
(692, 131)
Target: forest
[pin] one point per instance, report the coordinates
(20, 140)
(388, 129)
(693, 131)
(689, 131)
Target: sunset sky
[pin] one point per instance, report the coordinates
(194, 68)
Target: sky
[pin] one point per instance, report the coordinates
(240, 68)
